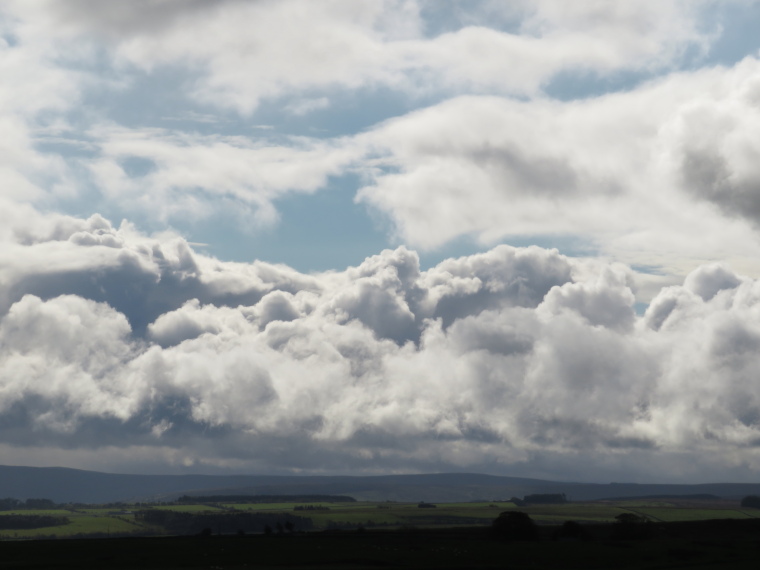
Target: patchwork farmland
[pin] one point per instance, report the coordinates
(259, 517)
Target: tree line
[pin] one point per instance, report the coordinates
(11, 504)
(221, 523)
(18, 522)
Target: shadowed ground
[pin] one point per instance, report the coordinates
(703, 544)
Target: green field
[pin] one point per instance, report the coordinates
(80, 524)
(117, 521)
(41, 512)
(580, 512)
(284, 507)
(675, 514)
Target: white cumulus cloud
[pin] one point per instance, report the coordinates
(513, 357)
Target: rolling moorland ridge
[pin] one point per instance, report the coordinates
(78, 486)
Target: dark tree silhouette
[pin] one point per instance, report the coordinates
(514, 525)
(545, 499)
(752, 501)
(39, 504)
(9, 504)
(630, 526)
(571, 530)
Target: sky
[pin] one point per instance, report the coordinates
(381, 236)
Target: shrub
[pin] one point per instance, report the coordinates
(514, 525)
(630, 526)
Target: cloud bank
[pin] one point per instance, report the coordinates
(516, 359)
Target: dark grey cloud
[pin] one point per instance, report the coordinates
(503, 277)
(126, 19)
(487, 331)
(709, 175)
(709, 280)
(523, 172)
(607, 302)
(142, 280)
(660, 309)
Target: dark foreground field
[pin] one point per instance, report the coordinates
(702, 544)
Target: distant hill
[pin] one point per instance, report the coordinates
(73, 485)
